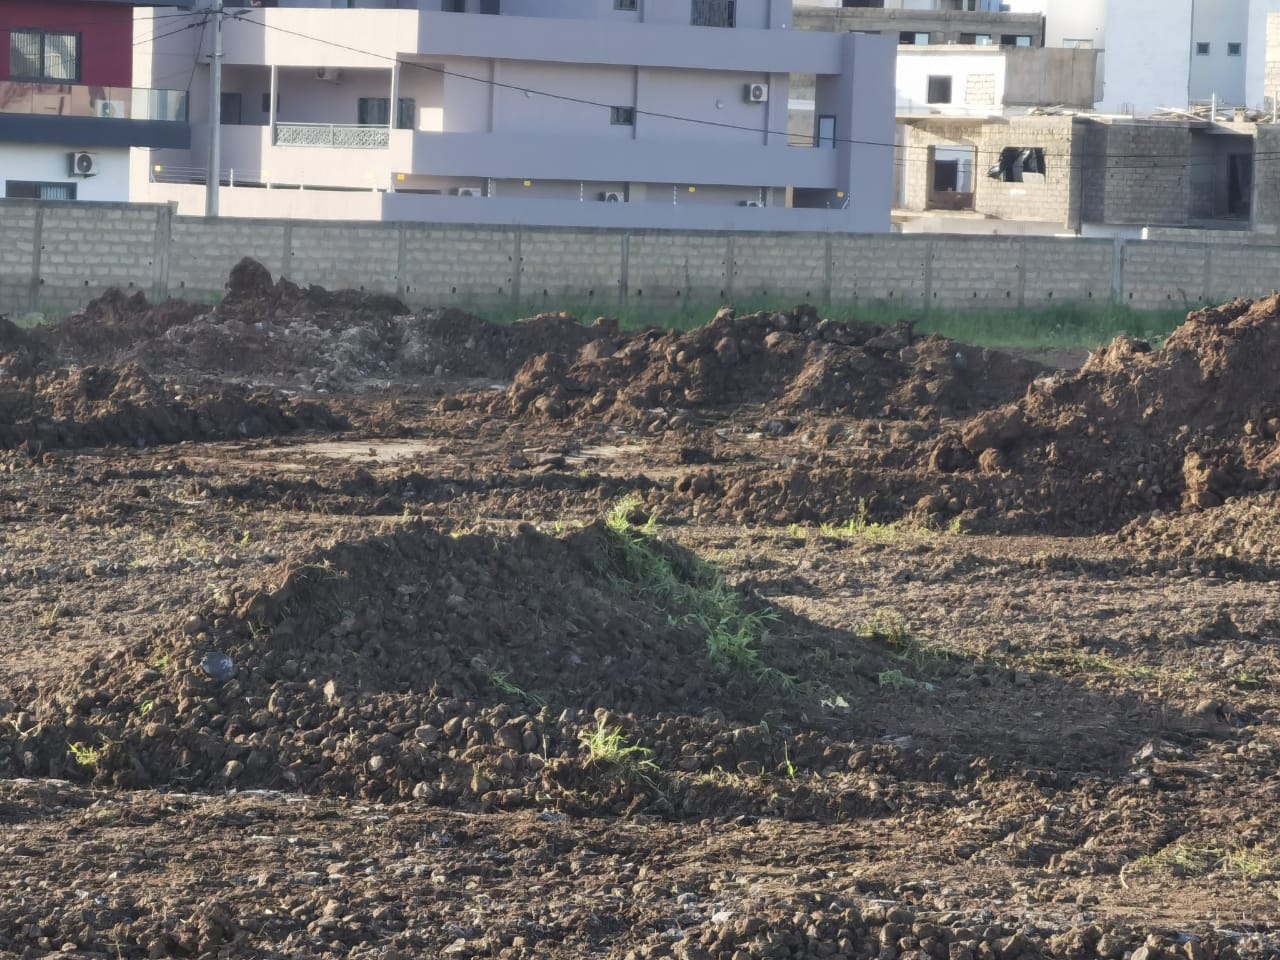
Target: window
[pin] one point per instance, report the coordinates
(714, 13)
(939, 90)
(1015, 40)
(1077, 44)
(909, 38)
(826, 130)
(44, 55)
(266, 103)
(1233, 49)
(36, 190)
(374, 112)
(1202, 49)
(1016, 162)
(622, 116)
(454, 6)
(980, 39)
(231, 109)
(624, 4)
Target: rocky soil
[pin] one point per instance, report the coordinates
(330, 629)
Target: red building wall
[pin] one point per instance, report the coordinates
(106, 35)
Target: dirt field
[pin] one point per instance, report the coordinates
(326, 629)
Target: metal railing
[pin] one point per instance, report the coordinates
(332, 135)
(91, 100)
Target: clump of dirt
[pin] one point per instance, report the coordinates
(793, 362)
(1245, 530)
(122, 405)
(419, 664)
(1136, 429)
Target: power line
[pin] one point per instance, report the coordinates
(1143, 160)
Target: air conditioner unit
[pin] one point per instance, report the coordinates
(467, 192)
(329, 74)
(108, 108)
(751, 203)
(757, 93)
(81, 164)
(612, 196)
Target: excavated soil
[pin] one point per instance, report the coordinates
(330, 629)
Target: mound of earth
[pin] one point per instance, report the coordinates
(446, 668)
(1244, 529)
(794, 362)
(1182, 427)
(277, 330)
(122, 405)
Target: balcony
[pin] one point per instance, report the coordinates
(93, 115)
(333, 135)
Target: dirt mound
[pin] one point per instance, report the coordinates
(104, 405)
(419, 664)
(794, 362)
(1137, 429)
(1244, 530)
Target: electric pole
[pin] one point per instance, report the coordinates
(212, 179)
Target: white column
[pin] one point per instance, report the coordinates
(395, 95)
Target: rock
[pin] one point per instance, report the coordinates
(217, 665)
(995, 428)
(232, 770)
(427, 734)
(7, 707)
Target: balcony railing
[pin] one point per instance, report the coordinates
(87, 100)
(332, 135)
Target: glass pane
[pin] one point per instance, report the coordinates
(57, 191)
(24, 54)
(61, 56)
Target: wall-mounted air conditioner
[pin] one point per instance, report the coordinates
(329, 74)
(756, 93)
(81, 164)
(108, 108)
(612, 196)
(751, 203)
(467, 192)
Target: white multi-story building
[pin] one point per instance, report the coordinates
(576, 112)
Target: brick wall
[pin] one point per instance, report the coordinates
(68, 253)
(1138, 173)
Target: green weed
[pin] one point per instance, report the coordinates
(703, 597)
(607, 747)
(501, 680)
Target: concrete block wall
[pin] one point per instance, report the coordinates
(200, 251)
(19, 247)
(82, 256)
(458, 264)
(789, 266)
(65, 254)
(1138, 173)
(867, 269)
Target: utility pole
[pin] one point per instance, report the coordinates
(213, 180)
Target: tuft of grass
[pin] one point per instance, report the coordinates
(891, 628)
(733, 634)
(501, 680)
(86, 755)
(1180, 859)
(897, 680)
(606, 746)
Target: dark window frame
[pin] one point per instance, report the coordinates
(231, 106)
(406, 112)
(934, 91)
(713, 13)
(41, 76)
(1235, 48)
(622, 116)
(626, 5)
(33, 189)
(1203, 48)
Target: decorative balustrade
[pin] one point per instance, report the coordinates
(332, 135)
